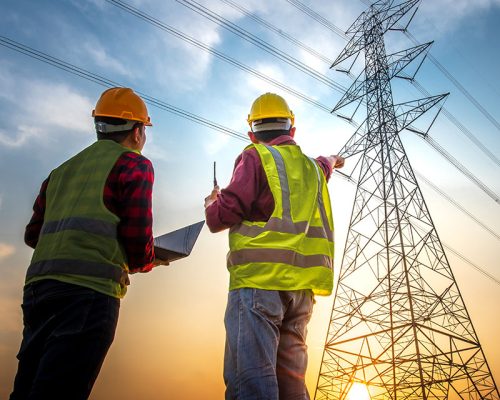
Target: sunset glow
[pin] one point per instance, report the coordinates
(358, 391)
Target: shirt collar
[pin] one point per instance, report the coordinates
(283, 139)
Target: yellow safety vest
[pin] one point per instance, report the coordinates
(293, 250)
(78, 241)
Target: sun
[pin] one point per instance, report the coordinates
(358, 392)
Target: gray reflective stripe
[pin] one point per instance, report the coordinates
(77, 267)
(274, 256)
(285, 191)
(89, 225)
(277, 225)
(322, 211)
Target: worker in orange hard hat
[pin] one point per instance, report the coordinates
(91, 227)
(277, 207)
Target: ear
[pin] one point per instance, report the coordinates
(137, 134)
(252, 137)
(292, 131)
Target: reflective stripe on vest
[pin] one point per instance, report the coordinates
(278, 256)
(89, 225)
(78, 267)
(281, 244)
(322, 210)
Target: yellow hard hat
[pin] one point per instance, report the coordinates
(270, 105)
(122, 103)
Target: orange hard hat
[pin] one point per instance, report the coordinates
(122, 103)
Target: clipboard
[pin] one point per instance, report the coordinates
(177, 244)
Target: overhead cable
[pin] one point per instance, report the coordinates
(457, 205)
(461, 168)
(100, 80)
(177, 33)
(267, 47)
(278, 31)
(459, 86)
(460, 126)
(452, 79)
(318, 17)
(180, 35)
(476, 267)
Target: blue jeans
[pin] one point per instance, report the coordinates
(266, 353)
(68, 330)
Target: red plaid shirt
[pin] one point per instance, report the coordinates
(127, 194)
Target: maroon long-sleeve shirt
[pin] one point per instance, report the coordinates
(248, 195)
(127, 194)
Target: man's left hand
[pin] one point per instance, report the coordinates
(212, 197)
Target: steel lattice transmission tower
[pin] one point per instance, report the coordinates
(399, 324)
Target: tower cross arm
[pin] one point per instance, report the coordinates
(397, 62)
(410, 111)
(400, 60)
(393, 14)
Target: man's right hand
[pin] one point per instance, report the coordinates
(336, 161)
(158, 261)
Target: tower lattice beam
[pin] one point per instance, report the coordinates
(399, 323)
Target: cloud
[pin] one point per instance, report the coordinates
(58, 106)
(268, 69)
(178, 65)
(20, 137)
(104, 60)
(215, 144)
(6, 250)
(42, 110)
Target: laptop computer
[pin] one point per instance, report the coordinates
(177, 244)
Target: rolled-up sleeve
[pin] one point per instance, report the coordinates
(128, 194)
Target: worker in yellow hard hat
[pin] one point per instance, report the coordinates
(91, 227)
(277, 207)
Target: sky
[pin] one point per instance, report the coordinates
(170, 337)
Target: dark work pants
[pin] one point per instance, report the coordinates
(68, 330)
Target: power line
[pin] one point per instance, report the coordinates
(180, 35)
(453, 161)
(263, 45)
(461, 127)
(457, 205)
(432, 142)
(198, 119)
(458, 85)
(318, 17)
(453, 80)
(461, 168)
(278, 31)
(476, 267)
(100, 80)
